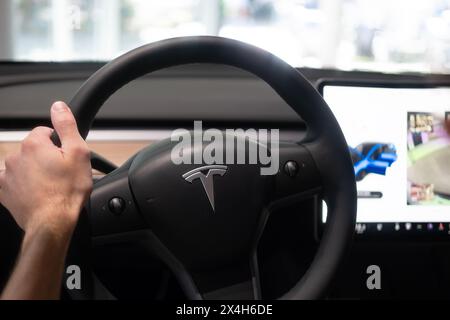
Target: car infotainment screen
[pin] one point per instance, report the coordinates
(399, 142)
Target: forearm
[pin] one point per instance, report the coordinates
(40, 266)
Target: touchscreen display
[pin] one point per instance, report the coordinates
(399, 141)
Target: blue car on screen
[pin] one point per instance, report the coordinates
(372, 158)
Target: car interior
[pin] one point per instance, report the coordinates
(359, 91)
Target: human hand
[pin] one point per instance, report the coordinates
(44, 186)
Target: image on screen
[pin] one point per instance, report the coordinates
(399, 142)
(428, 159)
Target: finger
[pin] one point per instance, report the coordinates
(65, 125)
(39, 136)
(11, 161)
(42, 132)
(37, 139)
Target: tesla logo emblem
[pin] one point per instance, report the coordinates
(207, 179)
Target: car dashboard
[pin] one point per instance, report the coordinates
(148, 110)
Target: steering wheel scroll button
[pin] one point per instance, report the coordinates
(117, 205)
(291, 169)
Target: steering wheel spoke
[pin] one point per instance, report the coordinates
(298, 177)
(236, 281)
(112, 209)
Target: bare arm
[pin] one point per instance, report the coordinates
(39, 269)
(44, 187)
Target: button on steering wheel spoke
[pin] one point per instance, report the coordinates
(112, 209)
(298, 177)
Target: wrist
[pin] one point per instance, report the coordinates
(57, 225)
(48, 237)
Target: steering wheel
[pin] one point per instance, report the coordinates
(210, 246)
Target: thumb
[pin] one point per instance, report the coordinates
(64, 124)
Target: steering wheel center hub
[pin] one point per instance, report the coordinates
(205, 214)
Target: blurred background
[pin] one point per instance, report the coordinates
(382, 35)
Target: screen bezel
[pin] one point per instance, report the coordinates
(388, 231)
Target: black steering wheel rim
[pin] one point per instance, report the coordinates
(325, 139)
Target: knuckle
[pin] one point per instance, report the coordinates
(38, 132)
(9, 161)
(81, 150)
(40, 129)
(30, 143)
(34, 138)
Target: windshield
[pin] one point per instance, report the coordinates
(382, 35)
